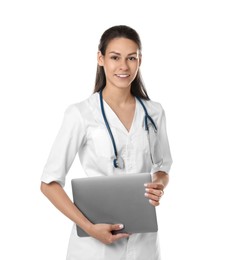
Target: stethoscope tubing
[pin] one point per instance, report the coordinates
(146, 118)
(107, 124)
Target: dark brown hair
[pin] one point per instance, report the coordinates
(120, 31)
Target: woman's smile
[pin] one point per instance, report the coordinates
(122, 76)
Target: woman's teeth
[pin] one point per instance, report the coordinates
(122, 75)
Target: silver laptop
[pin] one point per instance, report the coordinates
(115, 200)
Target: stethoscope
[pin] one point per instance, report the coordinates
(118, 161)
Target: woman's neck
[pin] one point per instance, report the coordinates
(118, 96)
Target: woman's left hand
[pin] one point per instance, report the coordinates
(154, 192)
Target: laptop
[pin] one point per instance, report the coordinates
(115, 200)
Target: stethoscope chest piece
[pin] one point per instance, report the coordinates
(118, 163)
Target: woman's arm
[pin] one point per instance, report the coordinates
(56, 194)
(155, 190)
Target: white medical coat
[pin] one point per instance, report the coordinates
(83, 131)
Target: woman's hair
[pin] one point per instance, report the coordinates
(120, 31)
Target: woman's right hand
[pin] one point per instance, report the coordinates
(103, 232)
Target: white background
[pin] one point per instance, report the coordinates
(48, 61)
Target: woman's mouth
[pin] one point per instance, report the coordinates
(122, 75)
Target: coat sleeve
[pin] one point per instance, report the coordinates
(162, 147)
(65, 147)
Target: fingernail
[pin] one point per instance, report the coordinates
(121, 226)
(145, 184)
(146, 194)
(147, 190)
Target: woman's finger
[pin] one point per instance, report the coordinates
(152, 197)
(154, 185)
(158, 193)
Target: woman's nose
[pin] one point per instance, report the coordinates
(124, 65)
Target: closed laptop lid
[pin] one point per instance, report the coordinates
(116, 200)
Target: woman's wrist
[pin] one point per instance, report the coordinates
(161, 178)
(88, 227)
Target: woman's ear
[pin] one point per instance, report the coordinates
(100, 59)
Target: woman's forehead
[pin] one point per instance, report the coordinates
(122, 46)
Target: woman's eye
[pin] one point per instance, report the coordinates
(132, 58)
(114, 57)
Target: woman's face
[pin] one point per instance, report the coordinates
(121, 62)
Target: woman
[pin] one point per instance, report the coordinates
(120, 88)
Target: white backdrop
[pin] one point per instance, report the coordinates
(48, 61)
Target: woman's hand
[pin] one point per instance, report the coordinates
(103, 232)
(154, 192)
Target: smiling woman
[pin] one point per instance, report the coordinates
(130, 51)
(119, 103)
(120, 62)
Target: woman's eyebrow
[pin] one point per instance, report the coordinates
(117, 53)
(114, 52)
(133, 53)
